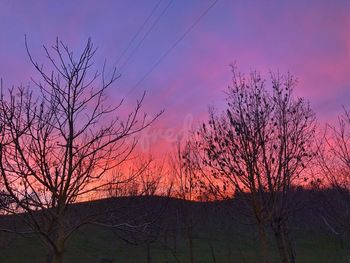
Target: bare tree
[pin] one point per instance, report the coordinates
(151, 185)
(60, 140)
(334, 179)
(142, 176)
(185, 171)
(258, 147)
(151, 180)
(128, 178)
(148, 193)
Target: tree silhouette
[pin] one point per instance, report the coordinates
(258, 147)
(60, 140)
(185, 171)
(334, 165)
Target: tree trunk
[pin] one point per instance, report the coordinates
(284, 243)
(149, 258)
(57, 257)
(56, 254)
(281, 245)
(264, 248)
(212, 249)
(190, 240)
(290, 246)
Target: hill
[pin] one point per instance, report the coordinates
(161, 229)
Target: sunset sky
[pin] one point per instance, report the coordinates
(182, 55)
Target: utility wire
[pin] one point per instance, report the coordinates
(189, 29)
(137, 33)
(145, 36)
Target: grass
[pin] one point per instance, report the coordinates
(216, 235)
(94, 244)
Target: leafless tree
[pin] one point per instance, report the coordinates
(334, 179)
(151, 180)
(258, 147)
(142, 176)
(151, 185)
(60, 141)
(185, 171)
(145, 188)
(127, 178)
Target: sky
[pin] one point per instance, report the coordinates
(182, 54)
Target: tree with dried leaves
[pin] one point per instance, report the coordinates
(258, 148)
(60, 141)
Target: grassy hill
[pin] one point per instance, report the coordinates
(221, 233)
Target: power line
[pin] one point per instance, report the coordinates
(137, 32)
(189, 29)
(145, 36)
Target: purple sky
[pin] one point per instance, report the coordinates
(310, 39)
